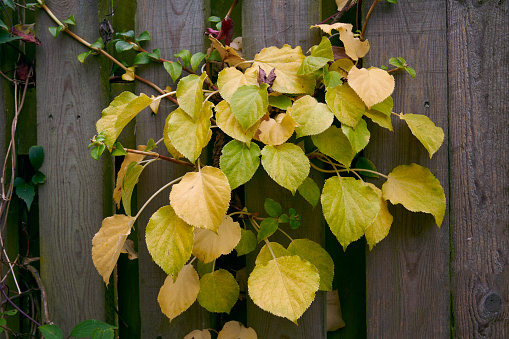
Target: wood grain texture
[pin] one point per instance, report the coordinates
(478, 46)
(71, 206)
(407, 274)
(173, 25)
(274, 23)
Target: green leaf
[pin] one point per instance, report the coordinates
(411, 71)
(96, 152)
(142, 59)
(144, 36)
(332, 79)
(130, 180)
(416, 188)
(7, 37)
(228, 123)
(188, 137)
(397, 62)
(70, 20)
(18, 181)
(313, 117)
(334, 143)
(267, 227)
(294, 224)
(286, 164)
(349, 206)
(316, 255)
(280, 101)
(239, 162)
(169, 240)
(98, 43)
(310, 191)
(129, 35)
(196, 59)
(174, 69)
(122, 46)
(385, 106)
(32, 4)
(283, 218)
(190, 94)
(380, 227)
(380, 118)
(11, 312)
(55, 30)
(103, 334)
(230, 79)
(265, 254)
(203, 268)
(214, 19)
(51, 331)
(2, 25)
(215, 56)
(36, 156)
(219, 291)
(285, 286)
(119, 149)
(27, 193)
(273, 208)
(156, 54)
(151, 144)
(38, 178)
(346, 105)
(425, 130)
(323, 50)
(366, 164)
(83, 56)
(358, 137)
(185, 55)
(311, 64)
(249, 103)
(86, 328)
(392, 1)
(9, 3)
(247, 242)
(119, 113)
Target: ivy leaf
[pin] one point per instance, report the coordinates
(228, 123)
(249, 103)
(316, 255)
(51, 331)
(349, 206)
(174, 69)
(196, 59)
(346, 105)
(265, 254)
(70, 20)
(36, 156)
(202, 198)
(276, 131)
(188, 136)
(230, 79)
(286, 164)
(280, 101)
(285, 286)
(190, 94)
(142, 59)
(169, 240)
(373, 85)
(119, 113)
(398, 62)
(313, 117)
(273, 208)
(310, 191)
(219, 291)
(235, 330)
(286, 62)
(247, 242)
(108, 243)
(87, 327)
(185, 55)
(416, 188)
(425, 130)
(358, 137)
(239, 162)
(26, 192)
(54, 30)
(176, 297)
(334, 143)
(122, 46)
(129, 74)
(130, 180)
(209, 246)
(267, 227)
(129, 158)
(380, 227)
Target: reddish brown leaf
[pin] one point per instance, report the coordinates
(339, 53)
(226, 32)
(26, 37)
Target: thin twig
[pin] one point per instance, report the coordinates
(2, 288)
(366, 20)
(159, 156)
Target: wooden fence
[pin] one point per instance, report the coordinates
(420, 282)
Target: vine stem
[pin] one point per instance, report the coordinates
(155, 194)
(159, 156)
(285, 234)
(232, 7)
(375, 2)
(338, 14)
(346, 170)
(2, 288)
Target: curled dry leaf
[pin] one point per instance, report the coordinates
(235, 330)
(334, 316)
(354, 47)
(129, 249)
(276, 131)
(228, 54)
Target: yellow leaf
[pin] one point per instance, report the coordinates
(129, 249)
(190, 94)
(328, 28)
(354, 47)
(228, 54)
(176, 297)
(154, 105)
(230, 79)
(342, 3)
(345, 104)
(167, 142)
(285, 286)
(108, 243)
(235, 330)
(380, 227)
(286, 62)
(169, 240)
(129, 158)
(209, 246)
(334, 143)
(202, 198)
(265, 254)
(313, 117)
(228, 123)
(343, 66)
(373, 85)
(129, 74)
(197, 334)
(425, 130)
(276, 131)
(380, 118)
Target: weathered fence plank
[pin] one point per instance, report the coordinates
(267, 24)
(173, 25)
(478, 45)
(71, 207)
(407, 274)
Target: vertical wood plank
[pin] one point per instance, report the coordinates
(274, 23)
(407, 274)
(173, 25)
(71, 207)
(478, 46)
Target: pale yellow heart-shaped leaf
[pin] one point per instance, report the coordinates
(219, 291)
(380, 227)
(425, 130)
(197, 334)
(176, 297)
(276, 131)
(239, 162)
(230, 79)
(373, 85)
(129, 74)
(342, 3)
(209, 246)
(108, 243)
(334, 143)
(235, 330)
(346, 105)
(167, 142)
(336, 26)
(202, 198)
(228, 123)
(190, 94)
(313, 117)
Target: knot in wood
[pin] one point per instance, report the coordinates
(491, 305)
